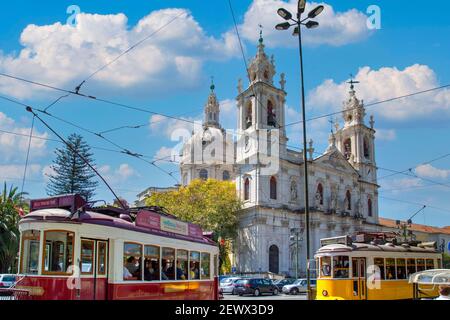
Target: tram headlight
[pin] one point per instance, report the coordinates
(325, 293)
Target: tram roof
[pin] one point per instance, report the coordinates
(66, 216)
(387, 247)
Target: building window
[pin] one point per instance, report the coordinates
(226, 175)
(369, 207)
(247, 189)
(347, 148)
(248, 115)
(271, 118)
(273, 259)
(294, 193)
(273, 188)
(204, 174)
(348, 200)
(366, 148)
(319, 194)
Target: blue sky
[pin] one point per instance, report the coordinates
(170, 73)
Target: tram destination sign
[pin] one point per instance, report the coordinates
(345, 240)
(153, 220)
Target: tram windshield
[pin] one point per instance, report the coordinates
(30, 251)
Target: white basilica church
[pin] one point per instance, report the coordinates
(342, 181)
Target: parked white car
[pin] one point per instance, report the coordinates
(299, 286)
(227, 285)
(7, 280)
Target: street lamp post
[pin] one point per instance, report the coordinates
(286, 15)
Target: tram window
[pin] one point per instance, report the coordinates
(420, 265)
(194, 267)
(151, 263)
(379, 262)
(58, 251)
(325, 266)
(206, 266)
(101, 258)
(87, 256)
(410, 266)
(341, 266)
(30, 252)
(182, 264)
(132, 259)
(390, 269)
(401, 269)
(168, 260)
(430, 264)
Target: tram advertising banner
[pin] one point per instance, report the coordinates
(152, 220)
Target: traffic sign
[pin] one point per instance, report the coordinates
(233, 269)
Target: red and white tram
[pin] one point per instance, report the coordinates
(71, 252)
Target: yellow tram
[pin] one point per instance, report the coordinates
(371, 267)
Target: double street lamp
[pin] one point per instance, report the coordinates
(310, 24)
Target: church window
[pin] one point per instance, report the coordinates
(369, 207)
(271, 118)
(204, 174)
(247, 189)
(248, 116)
(366, 148)
(274, 258)
(266, 75)
(273, 188)
(348, 200)
(226, 175)
(347, 148)
(319, 194)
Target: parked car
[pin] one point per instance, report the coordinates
(223, 277)
(256, 287)
(228, 285)
(7, 280)
(283, 282)
(299, 286)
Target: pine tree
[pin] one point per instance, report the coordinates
(71, 173)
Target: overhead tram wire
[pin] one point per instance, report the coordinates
(27, 158)
(117, 104)
(245, 61)
(372, 104)
(77, 89)
(29, 109)
(125, 151)
(416, 203)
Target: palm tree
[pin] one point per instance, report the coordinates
(10, 202)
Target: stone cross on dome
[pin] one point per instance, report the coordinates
(352, 83)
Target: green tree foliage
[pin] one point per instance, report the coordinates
(10, 202)
(211, 204)
(71, 173)
(446, 261)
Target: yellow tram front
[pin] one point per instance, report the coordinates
(349, 270)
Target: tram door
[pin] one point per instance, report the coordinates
(93, 269)
(359, 278)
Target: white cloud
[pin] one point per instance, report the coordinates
(428, 171)
(14, 171)
(119, 175)
(13, 147)
(336, 28)
(62, 55)
(386, 134)
(400, 185)
(386, 83)
(173, 128)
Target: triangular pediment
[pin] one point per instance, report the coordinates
(335, 160)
